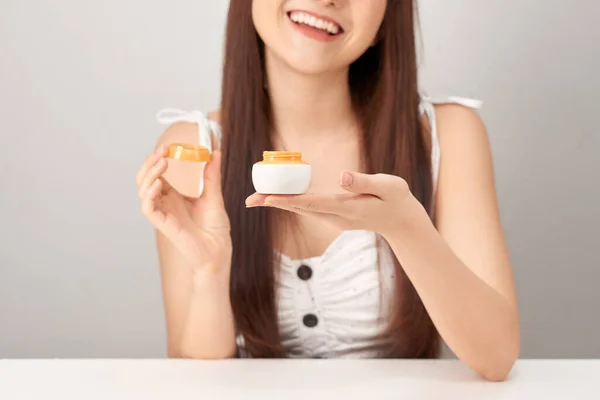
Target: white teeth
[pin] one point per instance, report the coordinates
(307, 19)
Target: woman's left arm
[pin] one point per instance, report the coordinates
(462, 270)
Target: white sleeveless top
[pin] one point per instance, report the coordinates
(336, 304)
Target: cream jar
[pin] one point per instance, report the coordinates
(191, 153)
(281, 172)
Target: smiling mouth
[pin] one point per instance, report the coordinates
(305, 19)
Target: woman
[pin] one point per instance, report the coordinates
(398, 242)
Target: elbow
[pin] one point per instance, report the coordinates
(498, 372)
(214, 353)
(503, 352)
(206, 356)
(498, 367)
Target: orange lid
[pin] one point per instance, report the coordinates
(282, 157)
(189, 152)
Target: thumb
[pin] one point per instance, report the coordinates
(212, 175)
(358, 183)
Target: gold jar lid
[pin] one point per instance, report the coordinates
(189, 152)
(282, 157)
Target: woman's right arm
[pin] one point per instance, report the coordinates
(194, 249)
(197, 308)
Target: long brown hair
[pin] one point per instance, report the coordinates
(384, 89)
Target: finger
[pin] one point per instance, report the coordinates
(256, 200)
(212, 176)
(307, 202)
(158, 217)
(159, 193)
(152, 175)
(379, 185)
(154, 190)
(330, 218)
(162, 150)
(148, 201)
(337, 204)
(298, 211)
(150, 161)
(359, 183)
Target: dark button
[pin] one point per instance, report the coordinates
(310, 320)
(304, 272)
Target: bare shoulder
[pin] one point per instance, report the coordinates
(186, 132)
(466, 165)
(460, 129)
(215, 116)
(466, 171)
(463, 138)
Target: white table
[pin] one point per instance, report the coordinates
(294, 379)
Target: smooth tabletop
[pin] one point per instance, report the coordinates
(294, 379)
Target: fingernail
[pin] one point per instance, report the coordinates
(346, 179)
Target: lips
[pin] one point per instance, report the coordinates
(317, 22)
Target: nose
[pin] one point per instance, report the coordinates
(331, 3)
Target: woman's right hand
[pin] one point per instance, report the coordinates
(198, 227)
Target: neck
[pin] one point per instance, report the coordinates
(307, 106)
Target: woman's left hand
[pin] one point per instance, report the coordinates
(379, 203)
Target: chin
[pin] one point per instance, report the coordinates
(310, 63)
(313, 68)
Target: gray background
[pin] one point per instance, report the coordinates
(80, 83)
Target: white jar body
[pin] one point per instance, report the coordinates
(281, 178)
